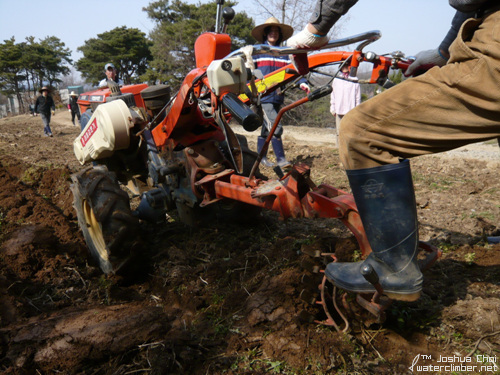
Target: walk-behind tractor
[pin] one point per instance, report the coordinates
(89, 101)
(179, 153)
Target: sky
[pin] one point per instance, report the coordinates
(413, 26)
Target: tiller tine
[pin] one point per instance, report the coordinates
(311, 251)
(430, 259)
(375, 303)
(323, 298)
(308, 297)
(310, 266)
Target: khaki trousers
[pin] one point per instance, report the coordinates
(443, 109)
(338, 118)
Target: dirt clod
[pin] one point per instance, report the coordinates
(226, 298)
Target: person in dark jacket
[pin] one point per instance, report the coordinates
(73, 106)
(454, 103)
(273, 32)
(45, 106)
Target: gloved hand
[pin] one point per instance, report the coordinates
(306, 39)
(247, 52)
(69, 110)
(53, 113)
(304, 86)
(425, 60)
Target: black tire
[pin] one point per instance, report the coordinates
(105, 218)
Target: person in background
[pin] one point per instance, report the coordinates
(454, 103)
(273, 32)
(45, 106)
(346, 94)
(73, 107)
(111, 75)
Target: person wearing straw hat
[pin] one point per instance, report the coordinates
(45, 106)
(273, 32)
(73, 107)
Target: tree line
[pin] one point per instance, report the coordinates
(28, 65)
(166, 55)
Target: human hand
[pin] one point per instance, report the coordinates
(53, 113)
(247, 52)
(425, 60)
(304, 86)
(306, 39)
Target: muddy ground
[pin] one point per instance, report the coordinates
(224, 299)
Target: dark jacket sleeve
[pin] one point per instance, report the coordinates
(470, 5)
(327, 12)
(456, 22)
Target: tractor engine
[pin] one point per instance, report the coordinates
(107, 131)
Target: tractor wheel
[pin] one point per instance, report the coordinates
(84, 118)
(105, 218)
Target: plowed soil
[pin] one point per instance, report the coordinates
(225, 298)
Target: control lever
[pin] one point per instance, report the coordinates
(319, 93)
(228, 15)
(279, 172)
(371, 276)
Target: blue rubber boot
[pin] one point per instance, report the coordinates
(386, 204)
(280, 153)
(265, 161)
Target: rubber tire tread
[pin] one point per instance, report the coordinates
(111, 208)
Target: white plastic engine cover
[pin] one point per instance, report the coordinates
(108, 130)
(227, 75)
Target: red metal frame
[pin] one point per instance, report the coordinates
(295, 195)
(84, 98)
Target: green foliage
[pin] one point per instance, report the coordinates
(316, 114)
(127, 48)
(470, 258)
(54, 54)
(178, 24)
(29, 65)
(396, 77)
(11, 67)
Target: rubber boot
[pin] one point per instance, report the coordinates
(280, 153)
(386, 204)
(265, 161)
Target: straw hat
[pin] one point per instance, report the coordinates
(258, 31)
(73, 93)
(44, 88)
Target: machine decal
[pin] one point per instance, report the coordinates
(267, 82)
(89, 132)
